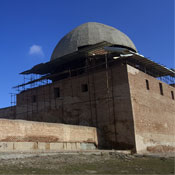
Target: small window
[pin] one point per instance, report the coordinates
(34, 99)
(161, 88)
(147, 84)
(57, 92)
(84, 87)
(172, 95)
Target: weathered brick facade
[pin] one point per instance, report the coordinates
(153, 113)
(116, 101)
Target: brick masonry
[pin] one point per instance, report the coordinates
(106, 105)
(117, 103)
(153, 113)
(26, 135)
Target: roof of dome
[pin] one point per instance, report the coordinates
(88, 34)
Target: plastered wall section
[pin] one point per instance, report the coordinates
(27, 131)
(154, 114)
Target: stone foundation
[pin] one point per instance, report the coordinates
(43, 146)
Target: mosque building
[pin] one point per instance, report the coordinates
(96, 78)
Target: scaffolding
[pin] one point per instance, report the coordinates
(32, 82)
(36, 87)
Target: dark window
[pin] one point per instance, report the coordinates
(84, 87)
(33, 98)
(172, 95)
(147, 84)
(161, 88)
(57, 92)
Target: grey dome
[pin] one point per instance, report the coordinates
(88, 34)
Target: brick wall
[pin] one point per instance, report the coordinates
(154, 114)
(27, 131)
(106, 105)
(9, 112)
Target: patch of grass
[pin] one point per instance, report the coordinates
(26, 170)
(136, 166)
(90, 165)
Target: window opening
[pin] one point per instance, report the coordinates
(84, 87)
(172, 95)
(161, 88)
(57, 92)
(147, 84)
(33, 98)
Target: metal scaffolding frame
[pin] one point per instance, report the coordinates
(33, 81)
(41, 87)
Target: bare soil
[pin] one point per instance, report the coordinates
(84, 163)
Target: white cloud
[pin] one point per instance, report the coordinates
(36, 50)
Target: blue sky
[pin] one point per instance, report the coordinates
(30, 29)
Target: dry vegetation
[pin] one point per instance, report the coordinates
(101, 163)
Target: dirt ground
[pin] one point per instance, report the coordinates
(84, 163)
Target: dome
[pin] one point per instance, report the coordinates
(88, 34)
